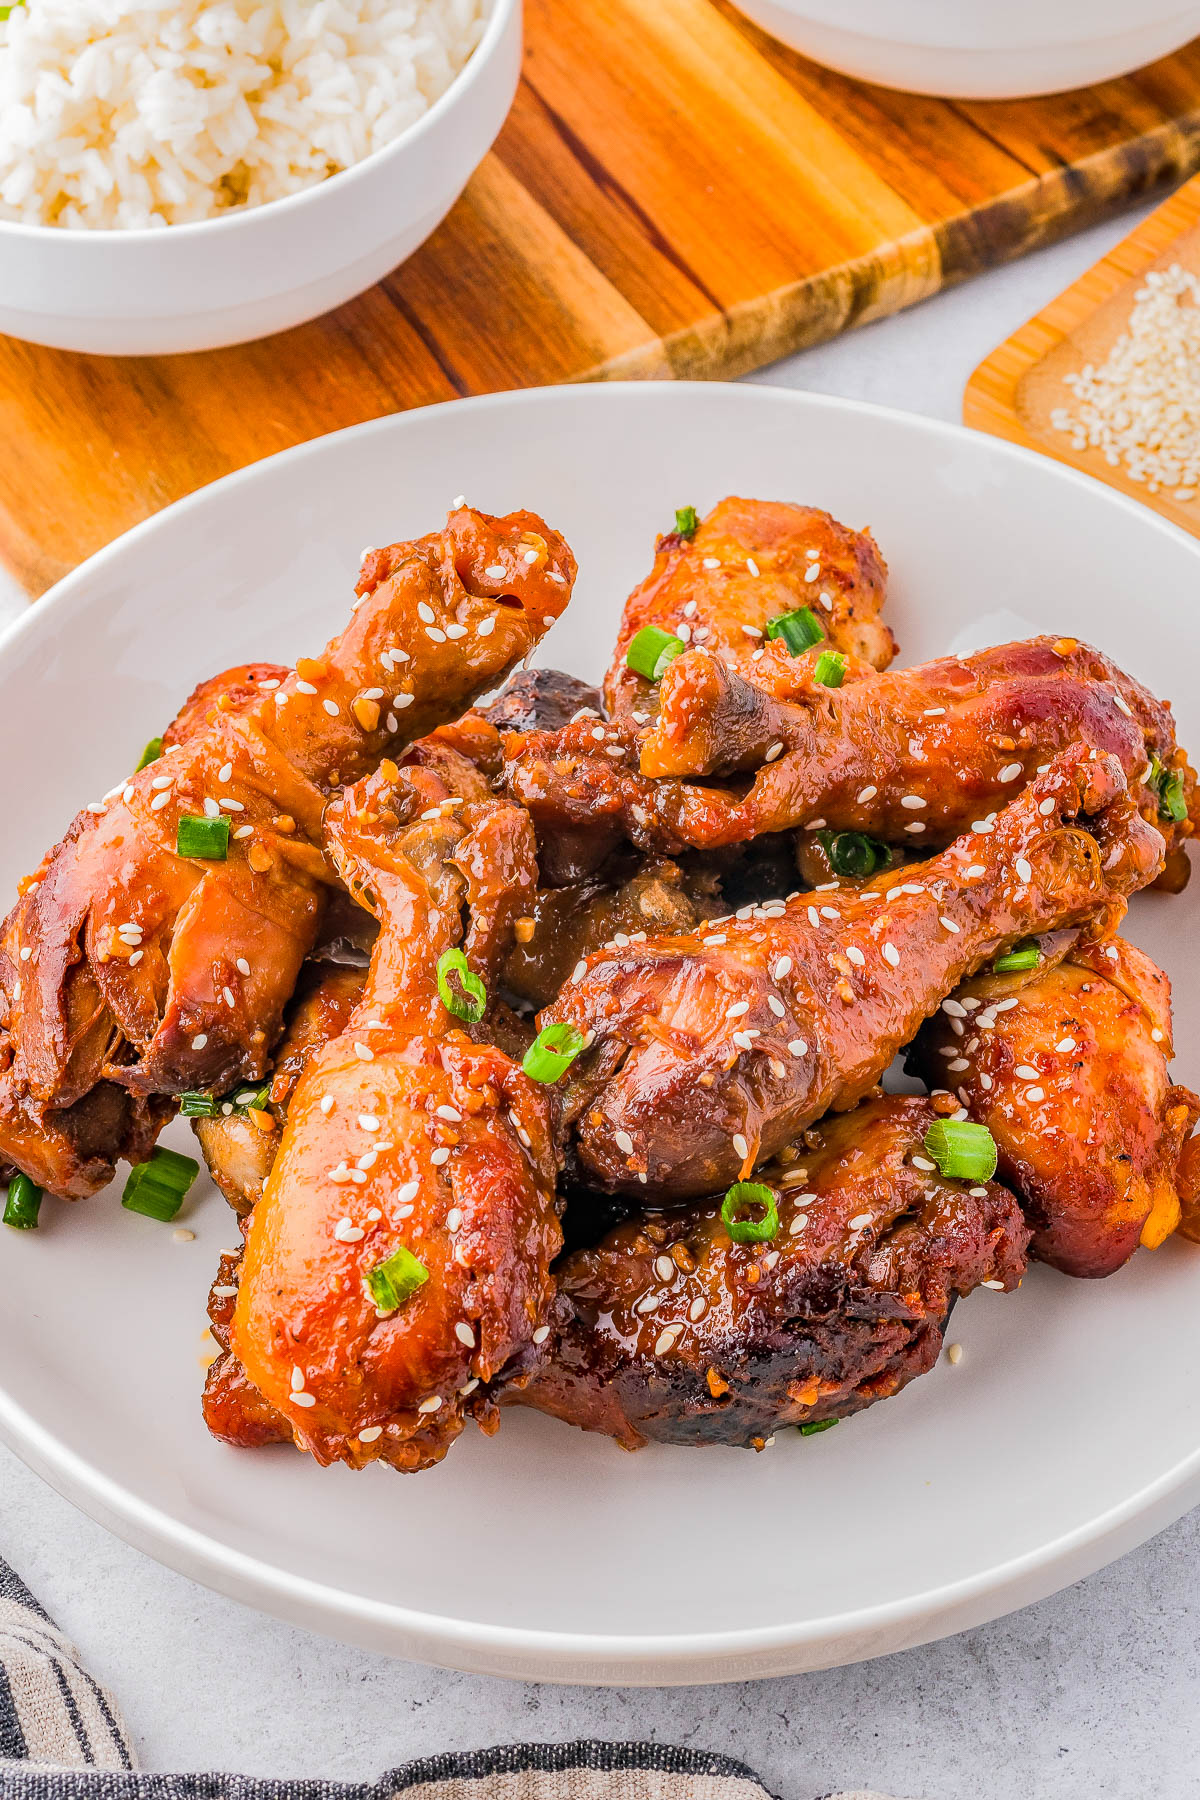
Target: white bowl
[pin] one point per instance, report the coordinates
(980, 49)
(252, 272)
(1069, 1431)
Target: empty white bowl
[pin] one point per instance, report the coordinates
(980, 49)
(248, 273)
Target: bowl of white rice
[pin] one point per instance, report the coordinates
(181, 174)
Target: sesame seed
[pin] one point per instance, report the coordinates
(776, 750)
(667, 1339)
(156, 805)
(326, 1103)
(225, 771)
(440, 1156)
(712, 942)
(1046, 808)
(297, 1378)
(1026, 1073)
(664, 1268)
(162, 781)
(698, 1308)
(830, 912)
(624, 1142)
(1035, 1093)
(933, 712)
(455, 631)
(711, 562)
(347, 1232)
(999, 1285)
(486, 626)
(914, 802)
(199, 1041)
(860, 1220)
(752, 565)
(1009, 772)
(744, 1040)
(776, 1006)
(579, 970)
(464, 1334)
(868, 793)
(752, 631)
(432, 631)
(368, 1122)
(798, 1223)
(891, 955)
(814, 917)
(855, 955)
(370, 1433)
(954, 1008)
(813, 572)
(26, 952)
(915, 828)
(797, 1047)
(782, 967)
(304, 1399)
(305, 687)
(136, 958)
(949, 924)
(431, 1405)
(182, 1236)
(364, 1052)
(244, 831)
(233, 806)
(541, 1334)
(923, 1162)
(740, 1145)
(451, 1113)
(954, 1353)
(959, 1063)
(737, 1009)
(1156, 1035)
(227, 996)
(408, 1193)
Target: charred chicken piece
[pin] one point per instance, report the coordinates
(399, 1257)
(1067, 1067)
(540, 700)
(708, 1054)
(748, 562)
(913, 756)
(118, 962)
(668, 1331)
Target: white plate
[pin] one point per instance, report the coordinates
(1070, 1430)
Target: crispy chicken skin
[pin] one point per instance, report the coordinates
(912, 756)
(405, 1132)
(749, 561)
(117, 962)
(710, 1051)
(668, 1331)
(1067, 1067)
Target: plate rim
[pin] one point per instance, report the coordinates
(534, 1652)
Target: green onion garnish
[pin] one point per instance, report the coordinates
(207, 838)
(1168, 785)
(815, 1425)
(1022, 956)
(390, 1283)
(830, 671)
(157, 1187)
(750, 1231)
(962, 1150)
(471, 1003)
(651, 651)
(800, 630)
(853, 853)
(195, 1105)
(151, 753)
(552, 1052)
(687, 521)
(21, 1207)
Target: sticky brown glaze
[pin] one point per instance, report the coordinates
(710, 1051)
(404, 1132)
(1067, 1067)
(669, 1332)
(233, 1408)
(749, 561)
(118, 962)
(540, 700)
(913, 756)
(567, 923)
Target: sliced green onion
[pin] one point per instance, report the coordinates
(157, 1187)
(1022, 956)
(207, 838)
(151, 753)
(687, 522)
(815, 1425)
(652, 651)
(471, 1003)
(962, 1150)
(750, 1231)
(830, 671)
(21, 1207)
(800, 630)
(256, 1101)
(552, 1052)
(1171, 803)
(853, 853)
(390, 1283)
(195, 1105)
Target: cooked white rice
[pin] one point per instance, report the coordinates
(125, 113)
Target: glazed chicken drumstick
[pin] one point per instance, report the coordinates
(670, 1331)
(156, 946)
(399, 1256)
(912, 756)
(722, 581)
(1067, 1067)
(708, 1052)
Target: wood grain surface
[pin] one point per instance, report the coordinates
(673, 194)
(1014, 390)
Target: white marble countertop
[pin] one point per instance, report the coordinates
(1088, 1694)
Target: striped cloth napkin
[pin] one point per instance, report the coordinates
(62, 1738)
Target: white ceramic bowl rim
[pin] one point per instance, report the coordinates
(230, 1570)
(242, 216)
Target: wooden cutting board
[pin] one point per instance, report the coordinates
(1016, 390)
(674, 194)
